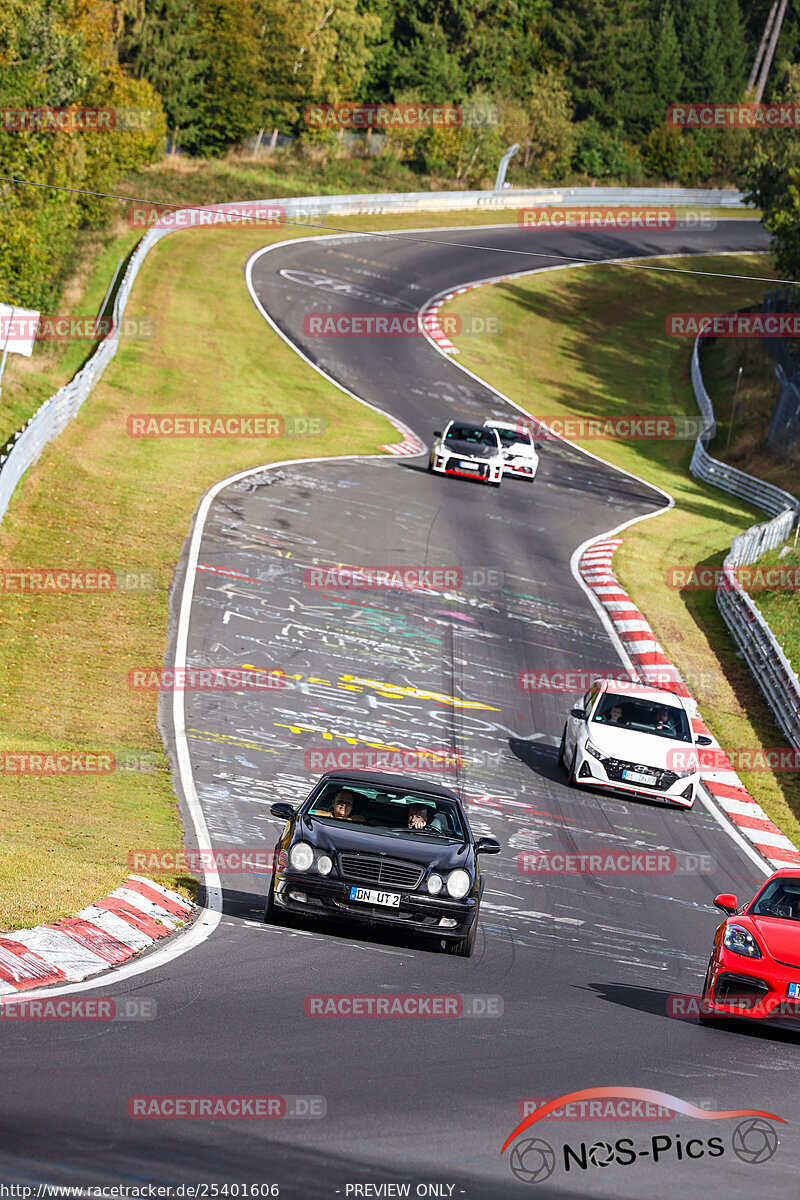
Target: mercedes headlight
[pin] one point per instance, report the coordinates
(740, 941)
(435, 884)
(458, 884)
(324, 864)
(301, 856)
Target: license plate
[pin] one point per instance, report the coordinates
(637, 777)
(793, 991)
(469, 466)
(370, 896)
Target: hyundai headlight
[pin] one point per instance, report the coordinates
(301, 856)
(740, 941)
(595, 753)
(458, 884)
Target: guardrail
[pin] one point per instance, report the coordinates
(756, 641)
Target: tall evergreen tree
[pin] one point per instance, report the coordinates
(666, 69)
(163, 45)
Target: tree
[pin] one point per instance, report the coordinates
(666, 68)
(542, 123)
(312, 51)
(231, 78)
(163, 44)
(772, 179)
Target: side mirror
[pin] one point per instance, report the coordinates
(577, 712)
(702, 740)
(487, 845)
(282, 810)
(437, 433)
(537, 445)
(727, 902)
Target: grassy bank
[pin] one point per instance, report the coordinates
(101, 499)
(591, 342)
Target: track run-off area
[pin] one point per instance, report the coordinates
(571, 975)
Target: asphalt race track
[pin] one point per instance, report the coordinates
(574, 969)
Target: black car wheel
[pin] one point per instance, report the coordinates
(464, 946)
(272, 914)
(571, 780)
(562, 749)
(492, 484)
(430, 465)
(707, 1020)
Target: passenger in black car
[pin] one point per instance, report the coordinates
(342, 808)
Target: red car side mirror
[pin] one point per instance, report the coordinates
(727, 902)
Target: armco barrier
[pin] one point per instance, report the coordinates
(51, 418)
(756, 641)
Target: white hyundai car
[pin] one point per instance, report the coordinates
(519, 449)
(472, 451)
(632, 738)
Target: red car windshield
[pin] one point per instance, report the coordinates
(780, 898)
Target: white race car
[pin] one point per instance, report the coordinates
(473, 451)
(519, 450)
(632, 738)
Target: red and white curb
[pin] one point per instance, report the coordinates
(429, 320)
(410, 444)
(107, 933)
(648, 657)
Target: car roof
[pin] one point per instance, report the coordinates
(644, 691)
(513, 425)
(408, 783)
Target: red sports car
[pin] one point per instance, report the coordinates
(754, 970)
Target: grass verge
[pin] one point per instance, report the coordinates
(101, 499)
(591, 342)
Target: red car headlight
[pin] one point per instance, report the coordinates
(739, 940)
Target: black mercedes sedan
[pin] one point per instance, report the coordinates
(381, 849)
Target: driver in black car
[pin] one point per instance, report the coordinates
(417, 816)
